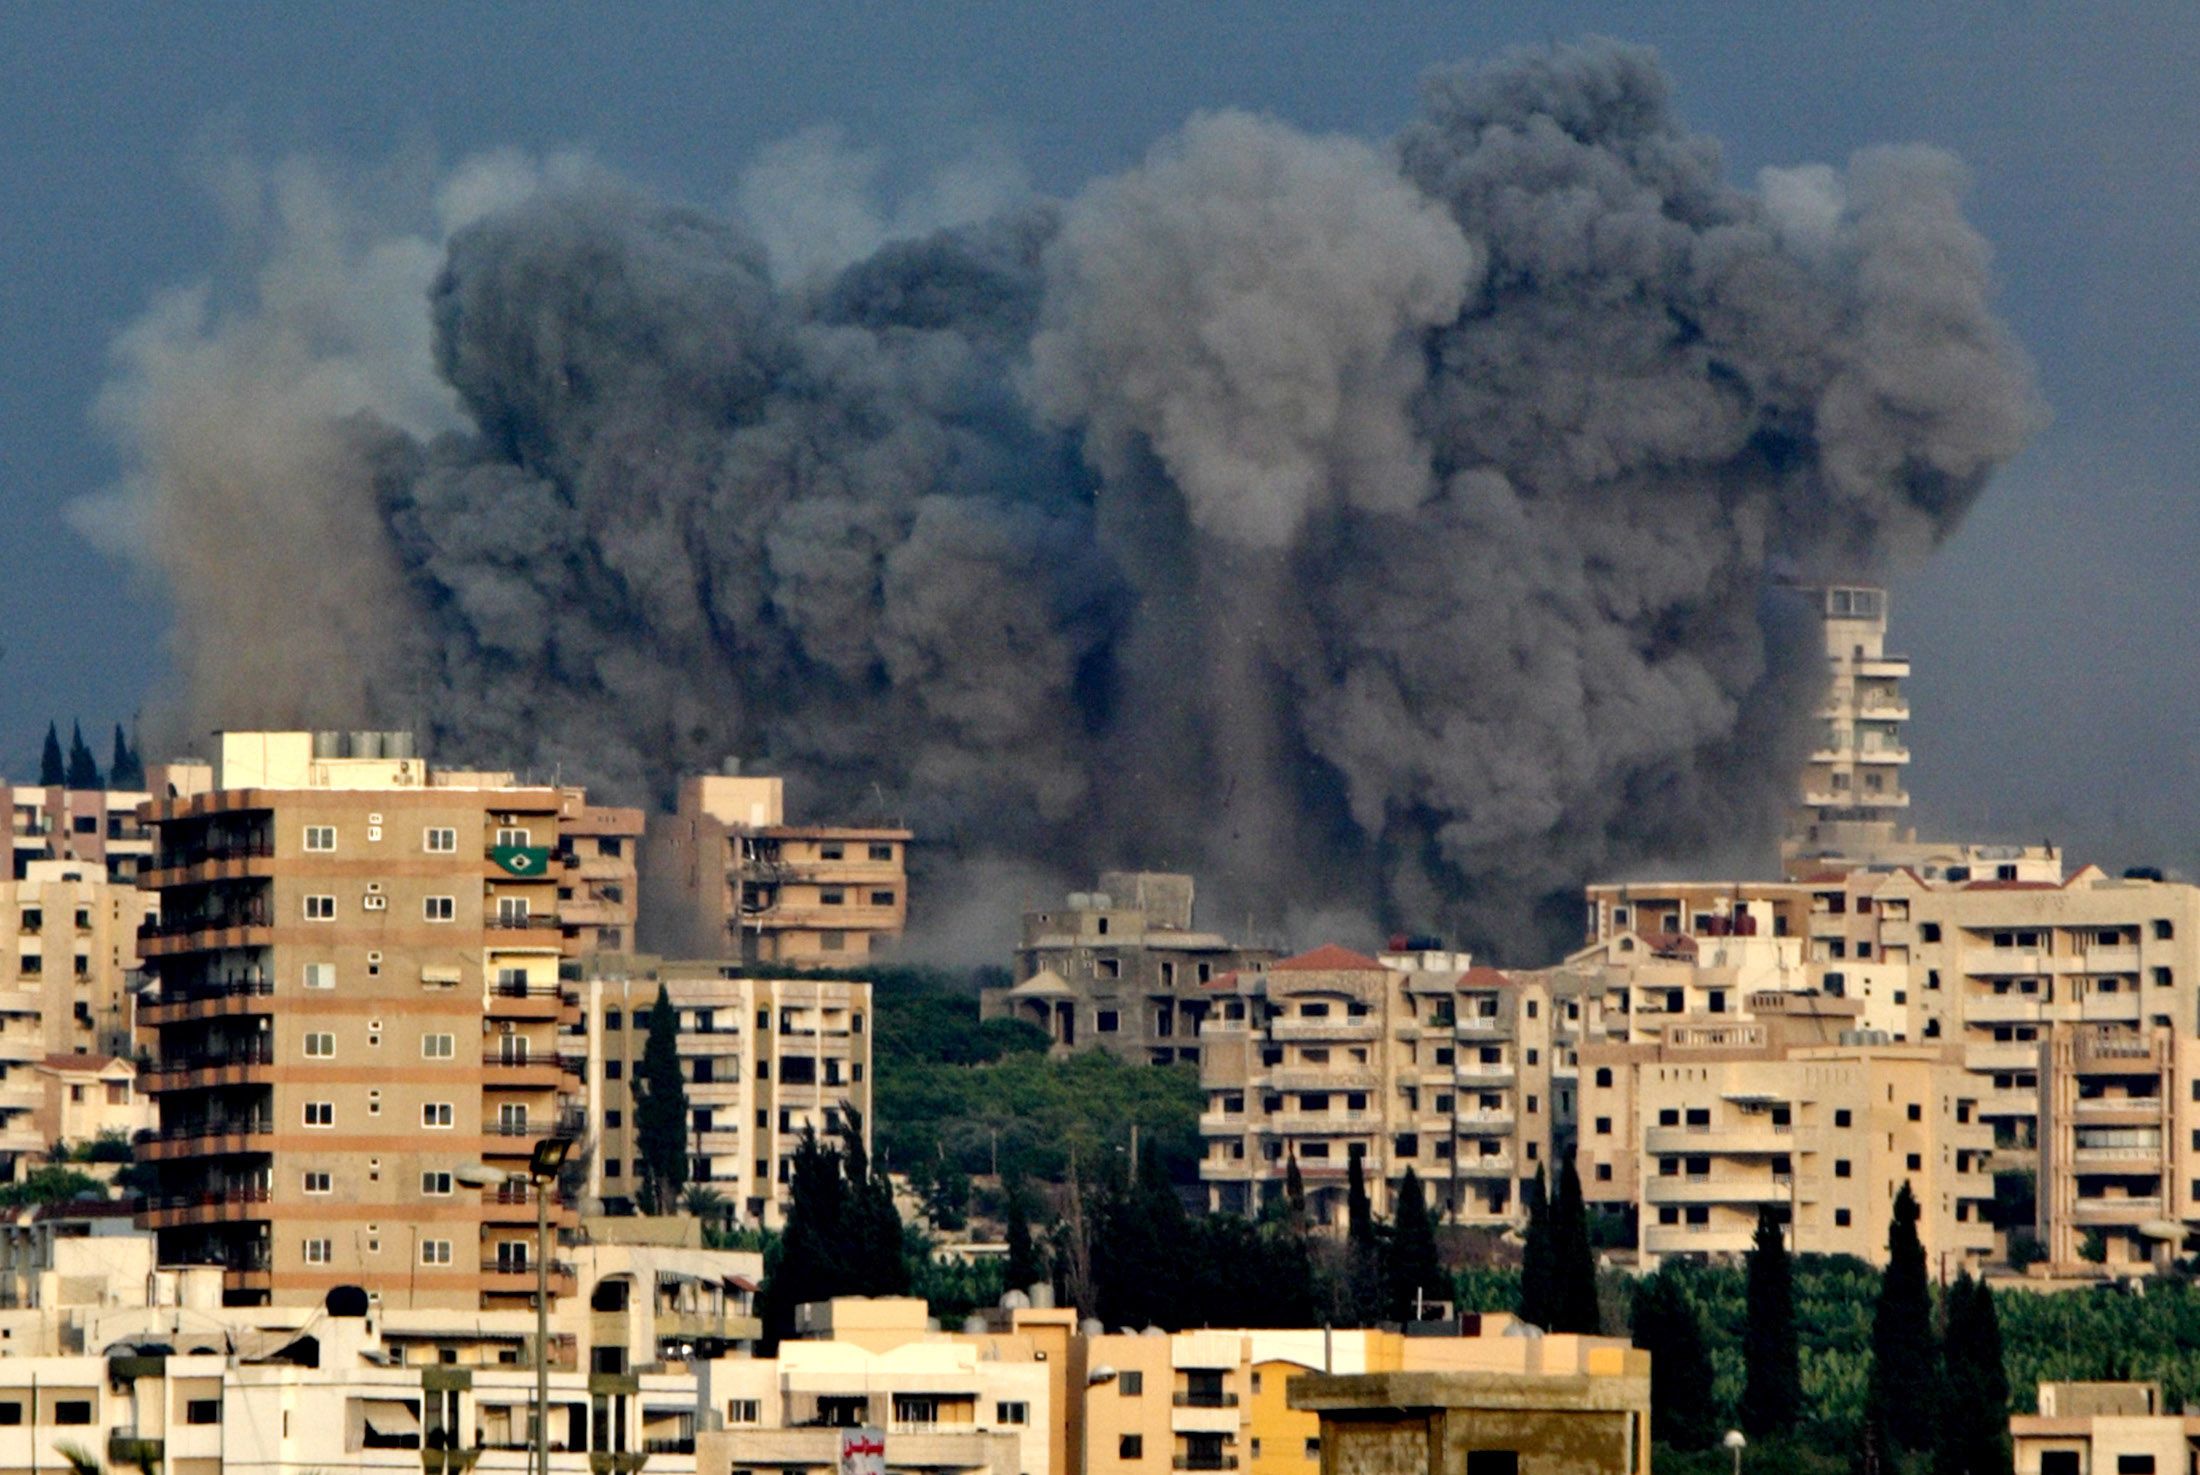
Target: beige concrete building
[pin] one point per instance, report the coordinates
(1585, 1415)
(87, 1097)
(1788, 1108)
(599, 885)
(69, 936)
(765, 1061)
(1122, 968)
(2103, 1429)
(357, 967)
(1417, 1060)
(728, 877)
(1853, 796)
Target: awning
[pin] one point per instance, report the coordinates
(439, 973)
(1045, 984)
(741, 1283)
(391, 1418)
(2162, 1229)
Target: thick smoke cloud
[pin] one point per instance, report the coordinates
(1379, 532)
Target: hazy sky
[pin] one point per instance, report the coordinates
(2058, 685)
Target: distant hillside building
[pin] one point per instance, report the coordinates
(1121, 968)
(728, 877)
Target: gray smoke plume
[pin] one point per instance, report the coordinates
(1393, 532)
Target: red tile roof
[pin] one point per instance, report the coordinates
(1481, 975)
(1328, 958)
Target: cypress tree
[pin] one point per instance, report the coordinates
(52, 773)
(1025, 1268)
(83, 767)
(1905, 1367)
(1416, 1270)
(1973, 1427)
(1666, 1326)
(126, 770)
(661, 1111)
(1573, 1264)
(1367, 1281)
(1538, 1263)
(1294, 1189)
(1773, 1394)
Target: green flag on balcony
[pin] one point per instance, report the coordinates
(522, 860)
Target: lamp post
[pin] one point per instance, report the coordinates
(542, 1171)
(1734, 1441)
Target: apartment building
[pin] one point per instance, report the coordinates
(69, 938)
(1122, 968)
(328, 1396)
(357, 965)
(1852, 794)
(599, 885)
(2096, 1428)
(728, 877)
(1414, 1060)
(765, 1060)
(87, 1097)
(1789, 1107)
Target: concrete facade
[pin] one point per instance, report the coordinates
(2103, 1429)
(765, 1061)
(1122, 968)
(729, 878)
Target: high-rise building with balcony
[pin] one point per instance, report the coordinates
(1853, 795)
(69, 937)
(729, 878)
(1121, 968)
(764, 1060)
(356, 967)
(98, 826)
(1417, 1059)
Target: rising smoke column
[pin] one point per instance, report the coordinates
(1386, 532)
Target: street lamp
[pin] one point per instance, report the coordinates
(542, 1170)
(1735, 1442)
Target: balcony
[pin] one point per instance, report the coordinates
(522, 1070)
(519, 999)
(1717, 1189)
(208, 1139)
(2117, 1159)
(1321, 1078)
(1323, 1123)
(2117, 1054)
(217, 1206)
(529, 933)
(2005, 962)
(1204, 1462)
(2116, 1210)
(1481, 1073)
(213, 998)
(2009, 1008)
(1317, 1030)
(1483, 1123)
(1883, 754)
(1220, 1398)
(243, 1065)
(1723, 1140)
(517, 1278)
(1483, 1024)
(1696, 1239)
(1465, 1166)
(2104, 1111)
(2003, 1056)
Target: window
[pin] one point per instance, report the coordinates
(79, 1411)
(1840, 1167)
(319, 1183)
(317, 1252)
(882, 898)
(435, 1185)
(1131, 1384)
(435, 1114)
(614, 1069)
(1841, 1117)
(320, 1045)
(320, 1113)
(832, 942)
(1915, 1163)
(1604, 1126)
(1314, 1449)
(1841, 1218)
(1108, 1021)
(435, 1252)
(438, 1047)
(320, 909)
(1491, 1462)
(1130, 1447)
(439, 841)
(512, 911)
(744, 1411)
(11, 1415)
(439, 908)
(882, 852)
(1917, 1112)
(512, 837)
(1604, 1172)
(1604, 1075)
(202, 1411)
(320, 837)
(2132, 1464)
(320, 975)
(613, 1120)
(832, 896)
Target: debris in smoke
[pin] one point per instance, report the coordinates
(1390, 528)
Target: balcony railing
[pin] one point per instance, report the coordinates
(215, 988)
(213, 1198)
(1204, 1462)
(200, 1131)
(1196, 1398)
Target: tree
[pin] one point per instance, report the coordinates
(126, 770)
(842, 1238)
(1416, 1272)
(1025, 1266)
(1538, 1264)
(52, 774)
(83, 767)
(1294, 1188)
(1772, 1397)
(661, 1111)
(1573, 1265)
(1143, 1270)
(1973, 1426)
(1682, 1413)
(1367, 1281)
(1905, 1367)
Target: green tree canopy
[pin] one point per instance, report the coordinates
(1573, 1264)
(83, 767)
(126, 770)
(1539, 1263)
(1683, 1410)
(1973, 1426)
(1416, 1271)
(52, 771)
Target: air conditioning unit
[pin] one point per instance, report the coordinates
(374, 887)
(378, 904)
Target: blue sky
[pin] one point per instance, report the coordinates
(2057, 691)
